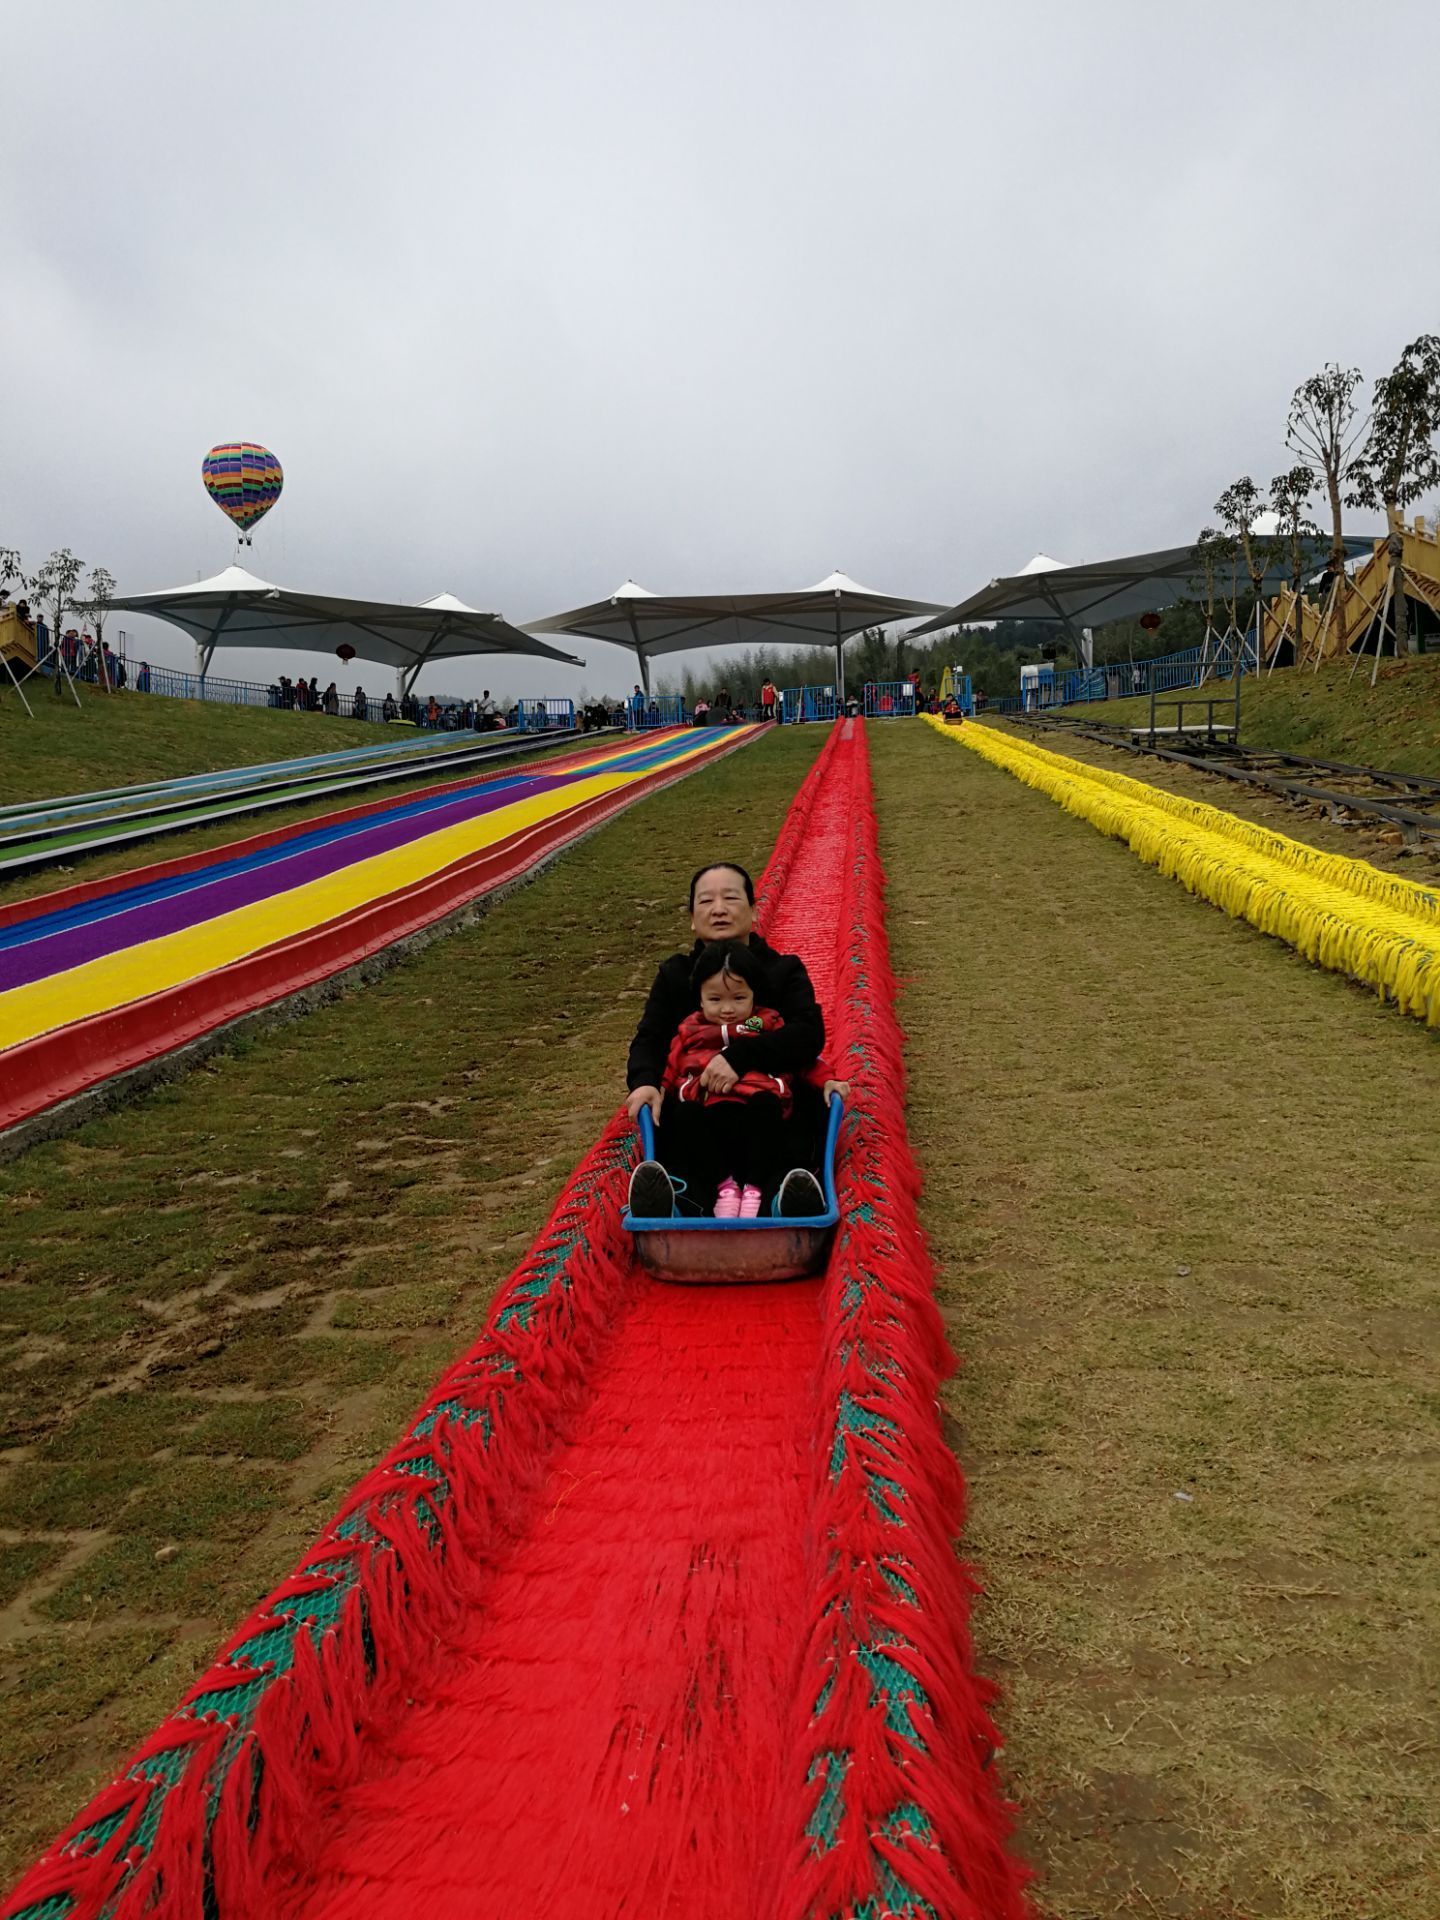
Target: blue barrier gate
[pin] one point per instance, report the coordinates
(644, 713)
(889, 699)
(538, 716)
(806, 703)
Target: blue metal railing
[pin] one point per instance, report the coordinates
(538, 716)
(888, 699)
(807, 703)
(644, 713)
(454, 714)
(1121, 679)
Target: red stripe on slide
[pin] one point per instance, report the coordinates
(83, 890)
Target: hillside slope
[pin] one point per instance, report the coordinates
(120, 739)
(1395, 723)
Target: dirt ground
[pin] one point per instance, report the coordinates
(219, 1305)
(1182, 1190)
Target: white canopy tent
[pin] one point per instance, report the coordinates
(1083, 597)
(827, 614)
(236, 609)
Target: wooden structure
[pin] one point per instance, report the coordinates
(1354, 613)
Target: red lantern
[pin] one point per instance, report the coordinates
(1149, 621)
(346, 652)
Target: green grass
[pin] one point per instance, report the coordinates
(122, 739)
(218, 1305)
(1178, 1186)
(1325, 715)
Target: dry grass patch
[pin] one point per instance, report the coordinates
(1181, 1188)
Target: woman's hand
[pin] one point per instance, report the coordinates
(719, 1076)
(832, 1087)
(645, 1097)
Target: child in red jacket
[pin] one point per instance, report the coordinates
(740, 1144)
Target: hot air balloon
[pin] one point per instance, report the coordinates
(244, 481)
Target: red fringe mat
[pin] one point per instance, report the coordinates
(654, 1609)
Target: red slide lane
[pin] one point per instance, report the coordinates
(607, 1737)
(56, 1066)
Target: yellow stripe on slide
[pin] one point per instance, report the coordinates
(153, 966)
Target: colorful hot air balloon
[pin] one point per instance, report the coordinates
(244, 481)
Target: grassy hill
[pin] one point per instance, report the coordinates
(119, 739)
(1395, 723)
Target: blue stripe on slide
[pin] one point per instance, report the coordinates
(43, 925)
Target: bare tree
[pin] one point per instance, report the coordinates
(1398, 462)
(1289, 497)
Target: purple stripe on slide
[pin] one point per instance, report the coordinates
(36, 961)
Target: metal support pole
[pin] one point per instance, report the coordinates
(17, 686)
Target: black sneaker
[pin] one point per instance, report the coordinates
(652, 1196)
(800, 1197)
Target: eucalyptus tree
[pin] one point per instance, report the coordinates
(56, 585)
(1324, 428)
(1239, 508)
(96, 609)
(1214, 554)
(1290, 494)
(1398, 462)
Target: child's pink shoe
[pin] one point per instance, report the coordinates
(749, 1202)
(727, 1201)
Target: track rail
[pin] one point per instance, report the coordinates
(1410, 801)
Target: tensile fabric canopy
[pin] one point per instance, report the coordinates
(235, 609)
(1106, 590)
(828, 614)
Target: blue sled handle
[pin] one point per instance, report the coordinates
(827, 1171)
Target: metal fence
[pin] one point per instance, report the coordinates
(644, 714)
(807, 703)
(539, 716)
(888, 699)
(452, 715)
(1123, 679)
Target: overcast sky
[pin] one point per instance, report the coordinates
(529, 299)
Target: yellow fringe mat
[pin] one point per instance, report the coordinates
(1343, 914)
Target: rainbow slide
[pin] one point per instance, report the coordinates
(107, 976)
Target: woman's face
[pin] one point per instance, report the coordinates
(721, 910)
(726, 997)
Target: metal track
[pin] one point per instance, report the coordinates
(1349, 794)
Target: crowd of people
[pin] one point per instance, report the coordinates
(448, 716)
(78, 655)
